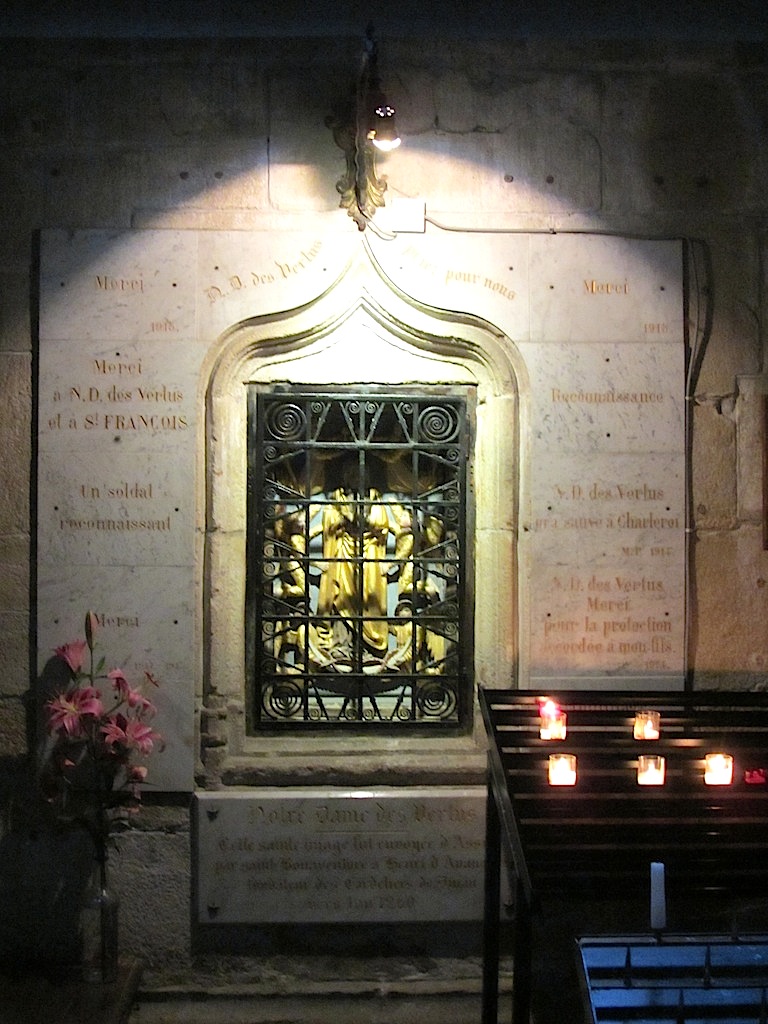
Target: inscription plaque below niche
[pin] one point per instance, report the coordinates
(301, 855)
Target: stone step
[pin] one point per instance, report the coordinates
(338, 1008)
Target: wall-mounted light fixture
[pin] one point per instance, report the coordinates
(365, 125)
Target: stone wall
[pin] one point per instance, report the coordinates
(655, 140)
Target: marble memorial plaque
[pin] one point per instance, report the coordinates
(597, 288)
(132, 323)
(146, 623)
(118, 419)
(267, 272)
(274, 856)
(606, 605)
(619, 509)
(606, 399)
(121, 286)
(116, 508)
(137, 395)
(484, 275)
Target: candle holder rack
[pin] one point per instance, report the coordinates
(588, 847)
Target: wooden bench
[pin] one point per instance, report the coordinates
(587, 848)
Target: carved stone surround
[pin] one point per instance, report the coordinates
(361, 331)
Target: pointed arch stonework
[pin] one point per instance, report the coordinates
(361, 332)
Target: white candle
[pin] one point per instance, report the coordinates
(650, 770)
(562, 769)
(718, 769)
(647, 725)
(658, 897)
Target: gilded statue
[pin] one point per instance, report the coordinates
(348, 569)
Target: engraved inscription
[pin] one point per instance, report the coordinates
(276, 271)
(612, 622)
(107, 367)
(126, 519)
(164, 326)
(453, 276)
(619, 619)
(608, 397)
(118, 502)
(117, 621)
(341, 858)
(594, 287)
(119, 384)
(124, 285)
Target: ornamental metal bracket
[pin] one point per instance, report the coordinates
(361, 189)
(365, 123)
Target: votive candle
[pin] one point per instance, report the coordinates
(650, 770)
(647, 725)
(562, 769)
(552, 721)
(718, 769)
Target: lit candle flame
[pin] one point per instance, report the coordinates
(647, 725)
(650, 770)
(562, 769)
(552, 720)
(718, 769)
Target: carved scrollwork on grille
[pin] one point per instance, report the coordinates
(286, 421)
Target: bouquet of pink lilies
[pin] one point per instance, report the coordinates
(100, 736)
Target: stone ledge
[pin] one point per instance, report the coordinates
(453, 1008)
(356, 771)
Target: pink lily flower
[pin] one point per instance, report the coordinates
(73, 654)
(141, 737)
(89, 771)
(119, 682)
(113, 730)
(67, 710)
(129, 733)
(144, 706)
(133, 698)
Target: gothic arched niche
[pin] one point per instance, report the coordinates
(361, 338)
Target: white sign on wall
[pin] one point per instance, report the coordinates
(322, 855)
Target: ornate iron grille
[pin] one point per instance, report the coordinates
(357, 602)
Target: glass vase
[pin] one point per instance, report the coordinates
(99, 929)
